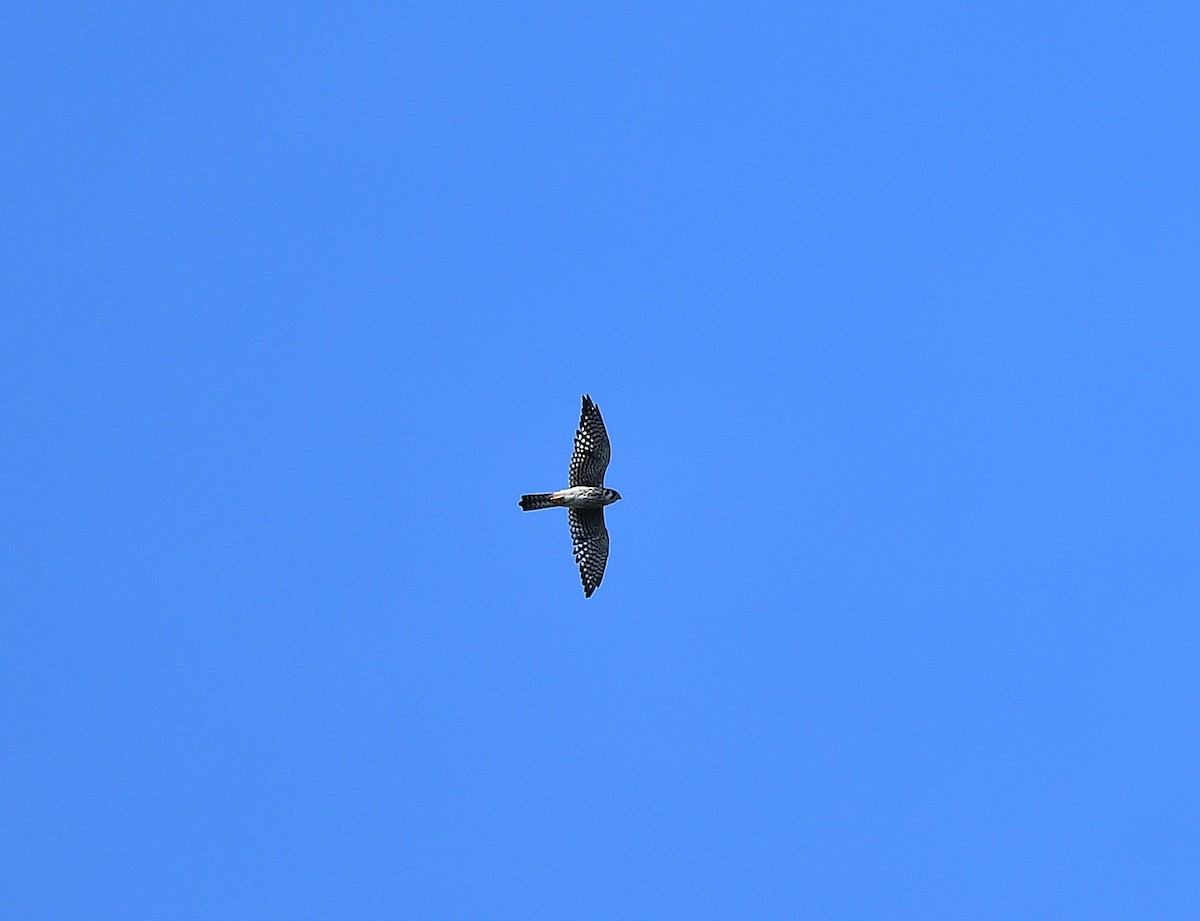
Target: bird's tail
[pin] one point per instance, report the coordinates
(537, 500)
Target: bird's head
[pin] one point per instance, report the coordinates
(611, 495)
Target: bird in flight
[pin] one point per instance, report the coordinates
(585, 497)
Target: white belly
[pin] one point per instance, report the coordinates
(581, 497)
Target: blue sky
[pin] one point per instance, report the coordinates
(891, 311)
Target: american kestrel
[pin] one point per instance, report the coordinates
(585, 497)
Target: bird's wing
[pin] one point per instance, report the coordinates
(589, 537)
(589, 460)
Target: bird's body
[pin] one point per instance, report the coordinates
(571, 497)
(585, 497)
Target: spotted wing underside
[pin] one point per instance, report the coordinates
(589, 538)
(589, 460)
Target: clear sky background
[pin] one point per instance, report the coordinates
(892, 312)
